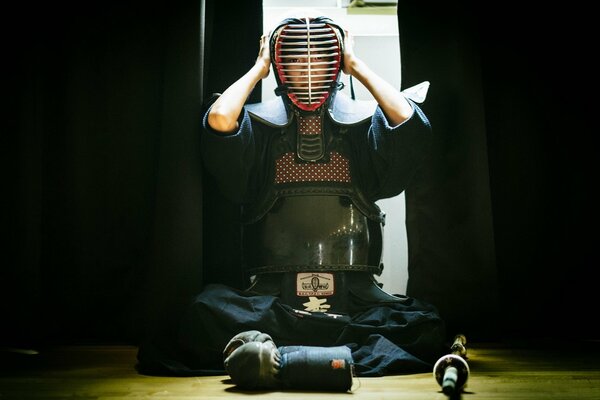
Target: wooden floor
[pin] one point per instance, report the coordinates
(108, 372)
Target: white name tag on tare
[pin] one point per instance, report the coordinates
(315, 284)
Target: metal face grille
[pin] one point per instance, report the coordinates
(308, 58)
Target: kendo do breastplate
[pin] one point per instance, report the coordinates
(312, 215)
(313, 238)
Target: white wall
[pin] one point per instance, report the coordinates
(376, 42)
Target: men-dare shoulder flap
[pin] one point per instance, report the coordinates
(271, 113)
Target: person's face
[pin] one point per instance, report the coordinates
(313, 70)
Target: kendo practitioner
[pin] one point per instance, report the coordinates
(307, 168)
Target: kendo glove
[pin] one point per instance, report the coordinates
(252, 360)
(243, 338)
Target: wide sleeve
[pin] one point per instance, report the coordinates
(390, 155)
(230, 158)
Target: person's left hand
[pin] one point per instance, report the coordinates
(349, 56)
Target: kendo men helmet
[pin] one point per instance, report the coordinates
(307, 54)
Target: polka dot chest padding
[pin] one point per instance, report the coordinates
(289, 170)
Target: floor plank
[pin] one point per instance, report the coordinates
(108, 373)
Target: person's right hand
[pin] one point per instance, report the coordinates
(264, 56)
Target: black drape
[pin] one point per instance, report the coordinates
(103, 232)
(538, 94)
(448, 207)
(499, 217)
(231, 49)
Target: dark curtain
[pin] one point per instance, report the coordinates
(448, 206)
(102, 229)
(231, 49)
(499, 217)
